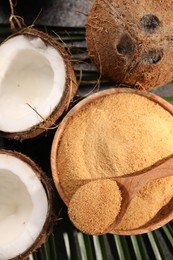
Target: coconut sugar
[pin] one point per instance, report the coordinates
(118, 135)
(94, 206)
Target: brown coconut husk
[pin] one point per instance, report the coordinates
(50, 219)
(130, 42)
(70, 88)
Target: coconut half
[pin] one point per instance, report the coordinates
(25, 206)
(37, 83)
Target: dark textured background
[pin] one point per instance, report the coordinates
(70, 13)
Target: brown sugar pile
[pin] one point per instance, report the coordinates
(94, 206)
(117, 135)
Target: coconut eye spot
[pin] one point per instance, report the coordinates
(149, 23)
(126, 45)
(15, 206)
(153, 56)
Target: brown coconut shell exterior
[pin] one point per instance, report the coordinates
(160, 219)
(70, 87)
(131, 42)
(48, 225)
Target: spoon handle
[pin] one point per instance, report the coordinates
(134, 183)
(130, 185)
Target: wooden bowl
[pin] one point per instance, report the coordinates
(165, 214)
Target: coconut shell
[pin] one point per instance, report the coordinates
(70, 88)
(130, 42)
(48, 225)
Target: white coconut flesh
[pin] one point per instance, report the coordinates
(32, 82)
(23, 206)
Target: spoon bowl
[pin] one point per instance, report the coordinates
(128, 188)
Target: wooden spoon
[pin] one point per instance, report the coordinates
(130, 185)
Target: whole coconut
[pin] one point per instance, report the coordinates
(131, 41)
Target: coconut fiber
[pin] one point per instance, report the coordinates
(130, 41)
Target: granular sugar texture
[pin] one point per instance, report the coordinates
(95, 205)
(116, 135)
